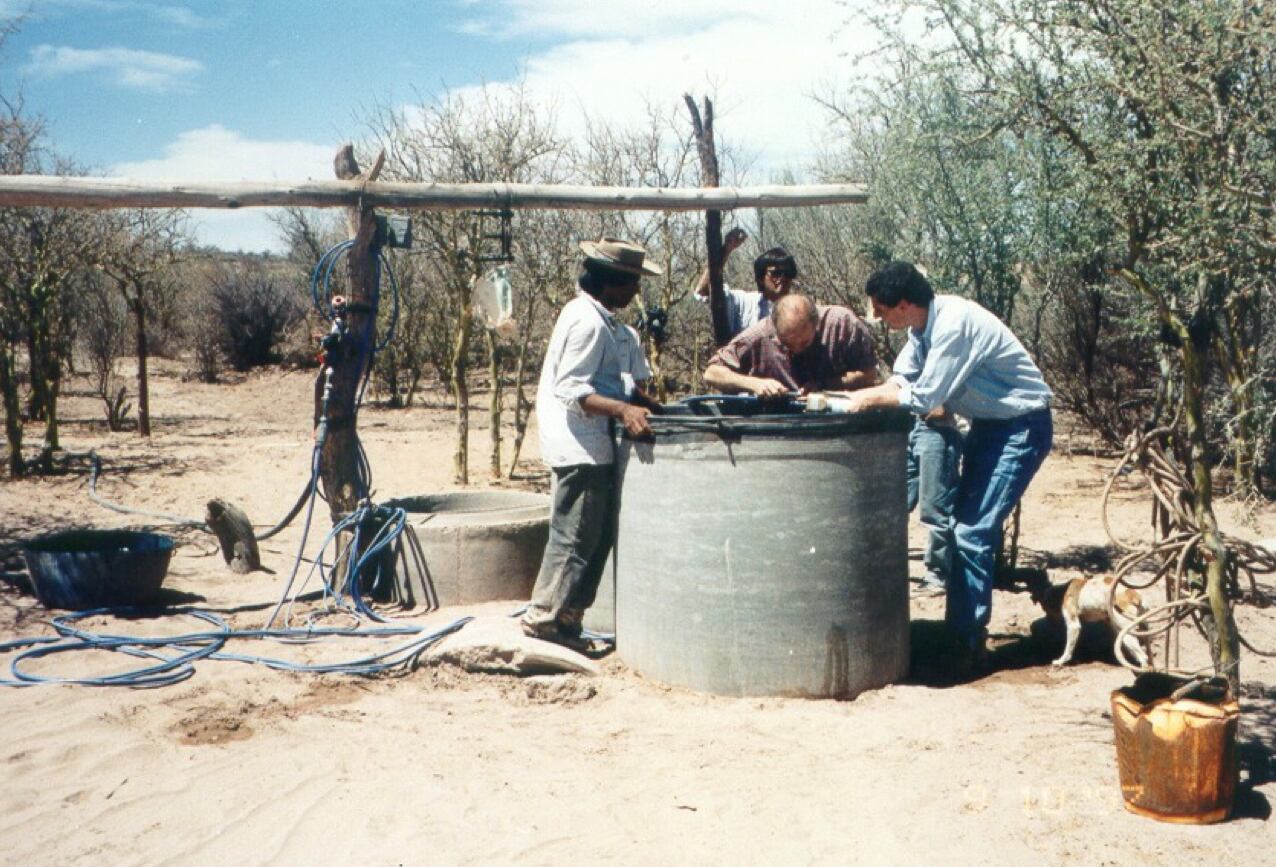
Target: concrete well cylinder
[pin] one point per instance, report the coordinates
(765, 555)
(470, 546)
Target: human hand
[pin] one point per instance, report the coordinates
(634, 418)
(763, 387)
(734, 239)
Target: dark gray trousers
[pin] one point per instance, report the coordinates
(581, 534)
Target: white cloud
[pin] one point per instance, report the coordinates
(178, 16)
(613, 19)
(215, 153)
(126, 67)
(763, 61)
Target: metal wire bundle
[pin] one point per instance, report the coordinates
(1176, 554)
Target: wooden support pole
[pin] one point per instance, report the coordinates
(339, 378)
(703, 128)
(20, 191)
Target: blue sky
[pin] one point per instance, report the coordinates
(267, 89)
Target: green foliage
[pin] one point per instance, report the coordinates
(1155, 125)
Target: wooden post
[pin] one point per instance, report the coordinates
(713, 218)
(143, 353)
(339, 378)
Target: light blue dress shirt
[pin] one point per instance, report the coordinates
(968, 360)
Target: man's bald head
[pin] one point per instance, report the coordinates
(796, 320)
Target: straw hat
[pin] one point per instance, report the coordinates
(620, 255)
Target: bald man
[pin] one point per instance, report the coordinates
(800, 347)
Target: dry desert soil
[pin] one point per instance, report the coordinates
(244, 764)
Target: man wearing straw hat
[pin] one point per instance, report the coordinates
(581, 392)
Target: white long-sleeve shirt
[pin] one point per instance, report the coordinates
(587, 354)
(743, 308)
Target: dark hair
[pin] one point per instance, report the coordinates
(899, 281)
(776, 257)
(596, 276)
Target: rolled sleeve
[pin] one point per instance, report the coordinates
(731, 356)
(948, 365)
(582, 355)
(906, 368)
(640, 370)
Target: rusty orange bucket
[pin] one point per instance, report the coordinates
(1177, 757)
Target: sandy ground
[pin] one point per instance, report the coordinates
(247, 765)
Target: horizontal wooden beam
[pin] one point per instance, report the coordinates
(87, 192)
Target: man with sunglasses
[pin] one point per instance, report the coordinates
(774, 272)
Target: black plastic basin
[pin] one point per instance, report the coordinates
(80, 569)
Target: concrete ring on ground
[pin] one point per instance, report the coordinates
(475, 546)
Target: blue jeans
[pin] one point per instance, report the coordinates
(934, 459)
(999, 460)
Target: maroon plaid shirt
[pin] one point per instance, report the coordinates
(842, 344)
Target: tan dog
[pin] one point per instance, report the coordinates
(1085, 600)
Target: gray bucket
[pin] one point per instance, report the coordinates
(475, 546)
(765, 555)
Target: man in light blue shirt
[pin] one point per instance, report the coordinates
(961, 356)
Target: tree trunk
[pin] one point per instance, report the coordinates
(1225, 646)
(51, 439)
(494, 404)
(390, 369)
(12, 410)
(37, 400)
(460, 348)
(657, 359)
(713, 218)
(143, 393)
(44, 384)
(522, 406)
(1240, 329)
